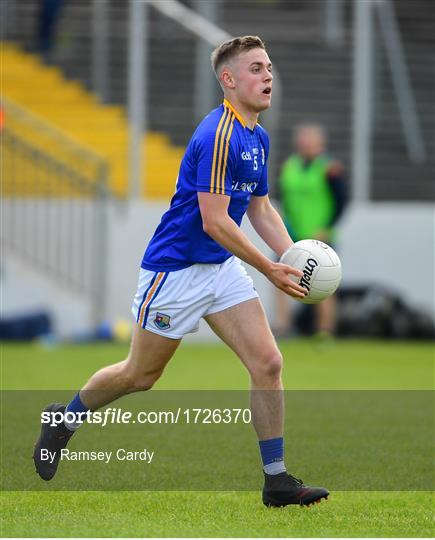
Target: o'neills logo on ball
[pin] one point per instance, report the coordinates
(307, 273)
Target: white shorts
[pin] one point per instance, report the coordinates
(172, 303)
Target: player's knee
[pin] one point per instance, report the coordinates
(273, 364)
(269, 365)
(138, 380)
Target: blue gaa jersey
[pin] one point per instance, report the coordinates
(224, 156)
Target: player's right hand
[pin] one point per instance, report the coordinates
(279, 276)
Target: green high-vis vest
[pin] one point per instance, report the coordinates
(306, 198)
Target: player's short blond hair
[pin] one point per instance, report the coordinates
(232, 48)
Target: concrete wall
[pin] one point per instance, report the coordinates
(24, 290)
(392, 244)
(384, 244)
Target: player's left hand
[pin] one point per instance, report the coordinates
(279, 276)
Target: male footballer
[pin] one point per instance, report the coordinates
(192, 269)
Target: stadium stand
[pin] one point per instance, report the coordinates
(56, 117)
(318, 84)
(317, 80)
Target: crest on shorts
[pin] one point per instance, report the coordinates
(162, 321)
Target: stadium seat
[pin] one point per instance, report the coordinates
(62, 120)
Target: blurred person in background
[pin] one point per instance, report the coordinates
(49, 12)
(312, 194)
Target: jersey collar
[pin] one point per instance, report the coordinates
(236, 114)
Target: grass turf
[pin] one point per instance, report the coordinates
(225, 514)
(343, 365)
(308, 365)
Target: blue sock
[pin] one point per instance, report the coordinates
(272, 454)
(76, 406)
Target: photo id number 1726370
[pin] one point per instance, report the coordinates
(217, 416)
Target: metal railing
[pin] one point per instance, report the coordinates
(54, 219)
(363, 100)
(48, 138)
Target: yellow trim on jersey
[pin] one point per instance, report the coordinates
(221, 170)
(236, 114)
(216, 144)
(227, 146)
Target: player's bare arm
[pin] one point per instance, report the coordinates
(219, 226)
(268, 224)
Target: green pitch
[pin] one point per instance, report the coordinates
(343, 365)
